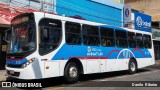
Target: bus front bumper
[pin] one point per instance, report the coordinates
(32, 71)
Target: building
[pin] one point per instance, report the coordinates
(142, 6)
(102, 11)
(156, 41)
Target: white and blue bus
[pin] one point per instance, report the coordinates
(44, 45)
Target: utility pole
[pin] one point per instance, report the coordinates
(9, 2)
(41, 5)
(29, 5)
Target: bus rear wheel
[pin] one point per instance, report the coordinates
(132, 66)
(71, 73)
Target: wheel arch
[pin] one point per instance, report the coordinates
(77, 62)
(134, 59)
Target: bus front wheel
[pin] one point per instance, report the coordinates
(132, 66)
(71, 73)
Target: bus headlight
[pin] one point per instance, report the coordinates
(28, 62)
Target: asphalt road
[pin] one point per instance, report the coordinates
(107, 81)
(148, 77)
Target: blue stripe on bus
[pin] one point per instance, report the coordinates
(16, 62)
(82, 51)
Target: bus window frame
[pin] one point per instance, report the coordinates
(121, 38)
(134, 39)
(90, 35)
(150, 40)
(139, 40)
(39, 31)
(80, 28)
(107, 36)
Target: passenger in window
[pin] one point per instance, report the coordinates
(51, 44)
(118, 43)
(104, 43)
(95, 41)
(109, 43)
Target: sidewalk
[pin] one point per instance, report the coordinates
(157, 62)
(3, 75)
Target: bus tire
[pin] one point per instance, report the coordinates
(71, 73)
(132, 66)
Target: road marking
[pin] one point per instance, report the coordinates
(57, 87)
(76, 84)
(120, 77)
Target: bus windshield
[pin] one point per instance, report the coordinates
(22, 39)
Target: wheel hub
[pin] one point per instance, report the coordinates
(133, 66)
(73, 72)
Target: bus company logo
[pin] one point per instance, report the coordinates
(94, 52)
(139, 21)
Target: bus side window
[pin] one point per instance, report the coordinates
(131, 40)
(50, 35)
(147, 41)
(73, 33)
(107, 37)
(90, 35)
(139, 40)
(121, 38)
